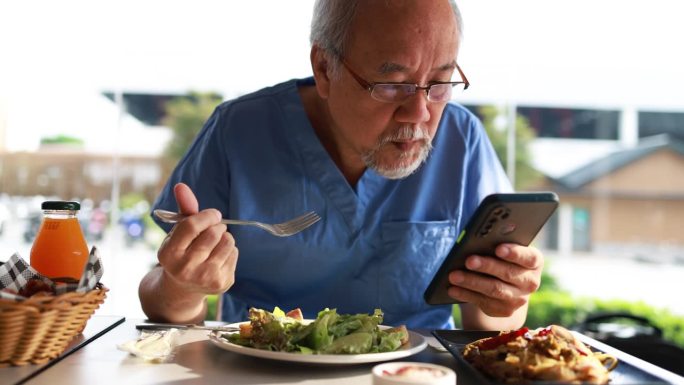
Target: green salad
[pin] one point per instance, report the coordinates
(329, 333)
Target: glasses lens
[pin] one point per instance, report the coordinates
(393, 92)
(443, 92)
(439, 92)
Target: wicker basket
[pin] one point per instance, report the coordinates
(40, 328)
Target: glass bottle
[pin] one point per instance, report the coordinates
(60, 249)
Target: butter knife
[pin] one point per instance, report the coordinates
(165, 326)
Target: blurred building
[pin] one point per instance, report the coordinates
(71, 173)
(619, 175)
(626, 203)
(126, 160)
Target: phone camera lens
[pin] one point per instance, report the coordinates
(507, 228)
(487, 228)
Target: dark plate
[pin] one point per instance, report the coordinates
(630, 370)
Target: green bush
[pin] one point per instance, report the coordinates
(548, 307)
(212, 303)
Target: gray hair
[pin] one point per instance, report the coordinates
(332, 20)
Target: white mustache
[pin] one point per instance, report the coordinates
(405, 133)
(403, 169)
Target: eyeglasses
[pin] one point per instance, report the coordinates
(398, 92)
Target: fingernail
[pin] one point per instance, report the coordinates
(219, 216)
(474, 262)
(503, 251)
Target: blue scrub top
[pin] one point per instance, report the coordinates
(378, 246)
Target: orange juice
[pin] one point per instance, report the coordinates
(60, 249)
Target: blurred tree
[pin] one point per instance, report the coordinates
(525, 174)
(62, 139)
(185, 116)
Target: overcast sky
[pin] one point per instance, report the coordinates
(56, 56)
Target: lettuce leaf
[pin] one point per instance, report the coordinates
(329, 333)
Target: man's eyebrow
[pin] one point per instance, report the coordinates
(391, 67)
(448, 66)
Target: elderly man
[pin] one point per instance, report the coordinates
(374, 146)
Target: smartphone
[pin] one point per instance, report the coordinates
(500, 218)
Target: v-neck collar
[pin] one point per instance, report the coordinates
(322, 170)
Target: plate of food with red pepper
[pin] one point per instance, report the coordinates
(551, 354)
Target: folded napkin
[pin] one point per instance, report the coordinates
(16, 274)
(156, 346)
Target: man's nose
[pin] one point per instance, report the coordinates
(414, 109)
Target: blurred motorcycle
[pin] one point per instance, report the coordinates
(134, 227)
(33, 222)
(96, 225)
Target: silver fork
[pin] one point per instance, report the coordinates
(285, 229)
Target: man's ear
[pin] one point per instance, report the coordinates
(320, 66)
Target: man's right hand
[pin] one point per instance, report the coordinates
(198, 253)
(197, 258)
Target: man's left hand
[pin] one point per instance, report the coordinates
(499, 286)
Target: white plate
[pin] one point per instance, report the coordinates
(416, 344)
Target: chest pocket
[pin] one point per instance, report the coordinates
(411, 254)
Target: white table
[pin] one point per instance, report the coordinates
(198, 361)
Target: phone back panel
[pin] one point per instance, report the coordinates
(500, 218)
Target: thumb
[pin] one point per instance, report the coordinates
(187, 202)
